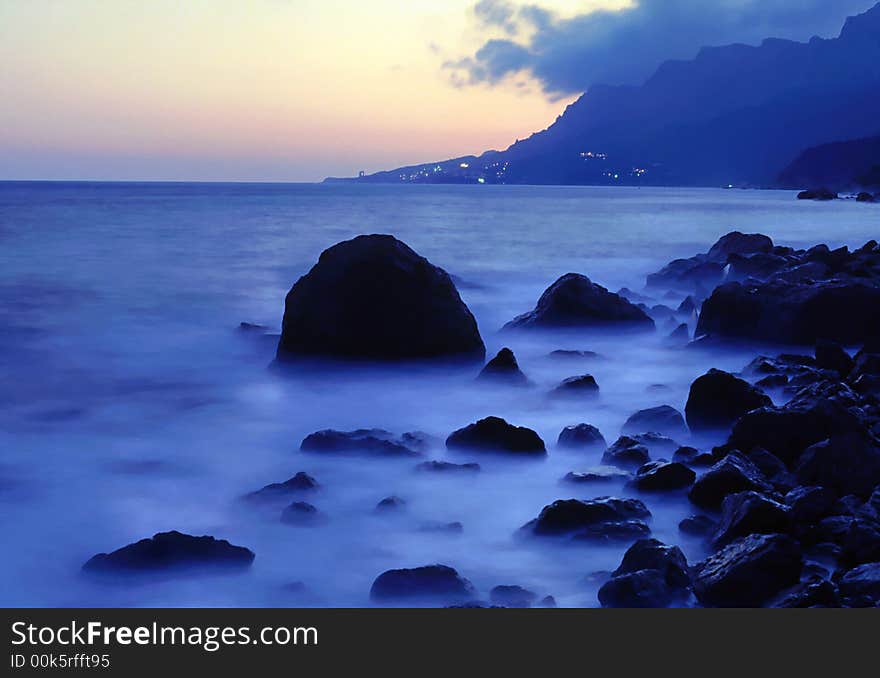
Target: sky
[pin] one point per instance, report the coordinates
(296, 90)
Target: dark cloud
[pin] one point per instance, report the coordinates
(567, 55)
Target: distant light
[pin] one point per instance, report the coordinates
(481, 180)
(464, 165)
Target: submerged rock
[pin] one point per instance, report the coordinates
(391, 503)
(664, 419)
(447, 466)
(613, 531)
(820, 194)
(699, 525)
(599, 474)
(371, 442)
(581, 437)
(576, 387)
(301, 514)
(432, 582)
(626, 453)
(301, 482)
(563, 354)
(503, 368)
(748, 572)
(512, 596)
(168, 551)
(567, 516)
(717, 399)
(575, 301)
(493, 434)
(373, 297)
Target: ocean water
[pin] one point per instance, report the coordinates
(131, 403)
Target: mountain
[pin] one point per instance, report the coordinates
(839, 166)
(734, 115)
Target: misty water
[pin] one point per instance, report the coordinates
(131, 403)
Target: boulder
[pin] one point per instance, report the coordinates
(698, 526)
(847, 464)
(642, 589)
(626, 453)
(599, 474)
(301, 482)
(567, 516)
(748, 572)
(664, 419)
(687, 307)
(841, 310)
(820, 194)
(431, 582)
(613, 531)
(680, 335)
(584, 385)
(581, 437)
(808, 505)
(374, 298)
(503, 368)
(746, 513)
(733, 474)
(575, 301)
(169, 551)
(651, 554)
(660, 476)
(391, 503)
(832, 356)
(447, 467)
(739, 243)
(693, 457)
(813, 592)
(512, 596)
(650, 575)
(493, 434)
(717, 399)
(367, 442)
(864, 196)
(301, 514)
(564, 354)
(656, 443)
(860, 586)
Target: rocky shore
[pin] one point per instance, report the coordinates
(787, 502)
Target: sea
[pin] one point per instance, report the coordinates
(131, 401)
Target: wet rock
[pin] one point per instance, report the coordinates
(651, 574)
(748, 572)
(860, 586)
(831, 356)
(814, 592)
(733, 474)
(168, 551)
(512, 596)
(651, 554)
(847, 464)
(373, 297)
(581, 437)
(698, 526)
(567, 516)
(664, 419)
(748, 513)
(815, 414)
(432, 582)
(577, 387)
(613, 531)
(693, 457)
(739, 243)
(659, 476)
(769, 464)
(368, 442)
(626, 453)
(803, 312)
(860, 543)
(656, 443)
(493, 434)
(301, 482)
(809, 504)
(390, 504)
(642, 589)
(820, 194)
(301, 514)
(447, 467)
(718, 399)
(599, 474)
(503, 368)
(575, 301)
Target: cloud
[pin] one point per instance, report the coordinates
(569, 54)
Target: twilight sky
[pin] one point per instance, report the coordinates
(294, 90)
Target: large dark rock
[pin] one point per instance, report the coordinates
(650, 575)
(842, 310)
(860, 587)
(847, 464)
(575, 387)
(815, 413)
(493, 434)
(374, 298)
(813, 592)
(717, 399)
(659, 476)
(503, 368)
(370, 442)
(820, 194)
(613, 531)
(567, 516)
(431, 582)
(512, 596)
(575, 301)
(664, 419)
(302, 514)
(748, 572)
(168, 551)
(733, 474)
(627, 453)
(808, 505)
(581, 437)
(748, 513)
(739, 243)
